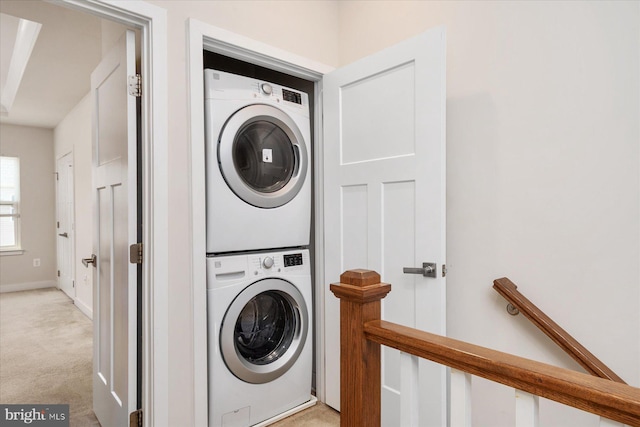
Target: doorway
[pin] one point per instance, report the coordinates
(213, 41)
(203, 36)
(65, 224)
(62, 103)
(151, 22)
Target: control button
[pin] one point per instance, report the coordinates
(268, 262)
(266, 88)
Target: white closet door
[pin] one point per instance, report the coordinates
(384, 198)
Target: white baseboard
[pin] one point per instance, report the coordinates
(85, 309)
(28, 286)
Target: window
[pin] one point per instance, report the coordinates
(9, 204)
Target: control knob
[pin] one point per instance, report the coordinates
(266, 88)
(267, 262)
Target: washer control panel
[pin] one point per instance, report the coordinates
(224, 271)
(274, 263)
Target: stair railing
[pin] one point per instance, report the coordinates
(562, 338)
(362, 332)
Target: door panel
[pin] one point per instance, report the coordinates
(65, 224)
(115, 187)
(384, 198)
(374, 107)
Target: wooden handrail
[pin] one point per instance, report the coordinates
(609, 399)
(562, 338)
(362, 332)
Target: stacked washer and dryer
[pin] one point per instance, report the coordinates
(258, 265)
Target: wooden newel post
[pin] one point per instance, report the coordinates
(360, 292)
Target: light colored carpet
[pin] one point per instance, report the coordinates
(46, 355)
(319, 415)
(46, 351)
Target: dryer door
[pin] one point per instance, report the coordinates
(264, 330)
(263, 156)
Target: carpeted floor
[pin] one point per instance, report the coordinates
(46, 358)
(46, 351)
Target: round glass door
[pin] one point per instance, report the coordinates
(264, 331)
(263, 156)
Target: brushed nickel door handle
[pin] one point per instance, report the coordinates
(87, 261)
(428, 270)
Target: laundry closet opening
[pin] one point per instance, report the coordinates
(216, 61)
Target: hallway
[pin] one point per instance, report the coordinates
(46, 351)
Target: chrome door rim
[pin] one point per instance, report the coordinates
(236, 363)
(242, 118)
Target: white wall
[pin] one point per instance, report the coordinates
(34, 147)
(73, 135)
(308, 29)
(543, 173)
(542, 166)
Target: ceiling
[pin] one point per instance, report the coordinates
(58, 73)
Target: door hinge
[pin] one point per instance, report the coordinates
(57, 176)
(135, 253)
(58, 224)
(58, 273)
(135, 85)
(73, 283)
(135, 418)
(444, 270)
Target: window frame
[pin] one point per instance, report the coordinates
(15, 249)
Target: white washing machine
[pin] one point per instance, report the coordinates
(258, 164)
(259, 330)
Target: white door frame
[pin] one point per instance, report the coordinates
(152, 22)
(203, 36)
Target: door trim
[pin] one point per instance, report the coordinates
(202, 36)
(152, 22)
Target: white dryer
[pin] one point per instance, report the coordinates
(257, 163)
(259, 330)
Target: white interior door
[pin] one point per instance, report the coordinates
(384, 198)
(65, 228)
(115, 283)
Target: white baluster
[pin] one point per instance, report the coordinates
(605, 422)
(409, 390)
(526, 409)
(460, 399)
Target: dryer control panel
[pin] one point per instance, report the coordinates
(222, 85)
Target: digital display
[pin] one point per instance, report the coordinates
(292, 260)
(291, 96)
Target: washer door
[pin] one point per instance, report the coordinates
(263, 156)
(264, 330)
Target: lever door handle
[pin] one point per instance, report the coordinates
(63, 234)
(87, 261)
(428, 269)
